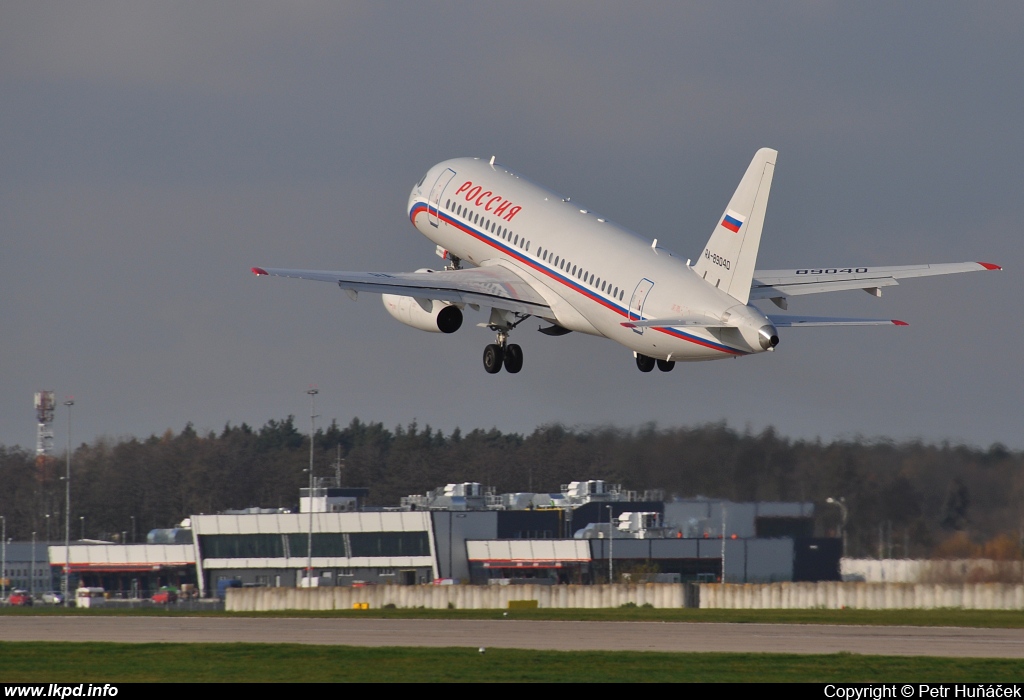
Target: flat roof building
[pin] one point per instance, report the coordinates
(465, 532)
(347, 549)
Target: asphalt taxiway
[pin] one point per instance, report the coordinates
(528, 634)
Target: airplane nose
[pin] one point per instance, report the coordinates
(768, 336)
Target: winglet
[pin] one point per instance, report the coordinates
(990, 266)
(259, 271)
(895, 322)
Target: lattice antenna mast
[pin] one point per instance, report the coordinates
(44, 419)
(44, 435)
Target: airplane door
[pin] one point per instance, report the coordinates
(636, 303)
(434, 202)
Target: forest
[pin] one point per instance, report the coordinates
(904, 499)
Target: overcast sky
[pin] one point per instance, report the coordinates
(151, 153)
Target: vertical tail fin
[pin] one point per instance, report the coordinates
(729, 257)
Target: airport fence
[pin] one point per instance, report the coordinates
(656, 595)
(836, 595)
(823, 595)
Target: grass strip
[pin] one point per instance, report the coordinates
(70, 662)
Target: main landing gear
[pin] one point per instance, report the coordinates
(495, 356)
(503, 353)
(646, 364)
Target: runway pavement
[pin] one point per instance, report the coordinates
(636, 636)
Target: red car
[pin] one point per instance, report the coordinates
(165, 597)
(19, 597)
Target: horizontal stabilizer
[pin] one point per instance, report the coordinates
(769, 284)
(788, 321)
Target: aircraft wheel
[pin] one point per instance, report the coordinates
(666, 365)
(644, 363)
(513, 358)
(493, 357)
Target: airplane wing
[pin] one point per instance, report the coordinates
(779, 284)
(790, 321)
(492, 286)
(786, 321)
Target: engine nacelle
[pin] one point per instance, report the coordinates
(768, 337)
(426, 314)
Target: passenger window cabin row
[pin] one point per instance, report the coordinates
(586, 277)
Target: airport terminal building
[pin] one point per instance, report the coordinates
(465, 533)
(274, 549)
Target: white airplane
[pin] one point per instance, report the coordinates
(535, 253)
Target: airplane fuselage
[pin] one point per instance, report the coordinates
(596, 276)
(534, 253)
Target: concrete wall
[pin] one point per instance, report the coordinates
(865, 596)
(931, 571)
(658, 595)
(828, 596)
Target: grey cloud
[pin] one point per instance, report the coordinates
(152, 152)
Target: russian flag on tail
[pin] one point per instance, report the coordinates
(733, 220)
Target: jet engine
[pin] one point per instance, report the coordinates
(426, 314)
(768, 337)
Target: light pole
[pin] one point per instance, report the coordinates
(723, 544)
(47, 527)
(841, 502)
(611, 539)
(309, 501)
(3, 557)
(67, 513)
(32, 571)
(133, 529)
(81, 519)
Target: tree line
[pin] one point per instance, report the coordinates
(903, 499)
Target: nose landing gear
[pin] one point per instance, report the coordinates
(646, 364)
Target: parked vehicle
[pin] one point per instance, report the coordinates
(90, 597)
(165, 596)
(225, 584)
(53, 598)
(19, 597)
